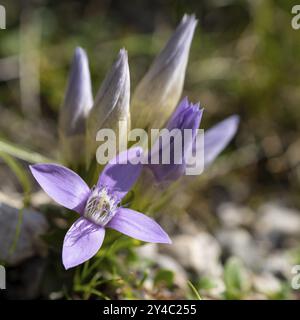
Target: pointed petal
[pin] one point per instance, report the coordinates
(82, 242)
(119, 175)
(159, 91)
(111, 105)
(61, 184)
(77, 104)
(78, 99)
(183, 105)
(166, 172)
(138, 226)
(218, 137)
(114, 93)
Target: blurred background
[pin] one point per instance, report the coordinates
(240, 225)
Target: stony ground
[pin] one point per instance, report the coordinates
(249, 254)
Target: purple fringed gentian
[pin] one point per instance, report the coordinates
(188, 116)
(98, 207)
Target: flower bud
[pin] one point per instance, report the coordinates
(77, 104)
(158, 93)
(111, 107)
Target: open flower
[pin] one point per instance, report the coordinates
(98, 207)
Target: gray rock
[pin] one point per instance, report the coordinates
(266, 283)
(168, 263)
(240, 243)
(232, 215)
(14, 249)
(24, 281)
(150, 251)
(200, 253)
(11, 198)
(40, 198)
(276, 219)
(279, 264)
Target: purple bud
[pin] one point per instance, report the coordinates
(186, 116)
(159, 91)
(77, 104)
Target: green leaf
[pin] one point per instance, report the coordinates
(207, 283)
(20, 173)
(194, 290)
(21, 153)
(164, 276)
(235, 278)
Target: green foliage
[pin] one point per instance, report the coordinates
(21, 153)
(194, 291)
(21, 174)
(165, 277)
(235, 279)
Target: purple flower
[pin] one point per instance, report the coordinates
(186, 116)
(218, 137)
(98, 207)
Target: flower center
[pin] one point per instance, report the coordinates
(100, 207)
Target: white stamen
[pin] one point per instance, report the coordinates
(100, 207)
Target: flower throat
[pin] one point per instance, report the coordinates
(100, 207)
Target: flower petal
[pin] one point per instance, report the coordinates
(186, 116)
(159, 91)
(120, 174)
(82, 242)
(138, 226)
(113, 95)
(217, 138)
(62, 185)
(182, 106)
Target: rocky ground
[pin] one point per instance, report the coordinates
(263, 244)
(249, 255)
